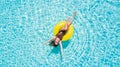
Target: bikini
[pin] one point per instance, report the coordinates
(60, 35)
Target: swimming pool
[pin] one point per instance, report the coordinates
(26, 24)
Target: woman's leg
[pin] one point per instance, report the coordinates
(65, 27)
(69, 21)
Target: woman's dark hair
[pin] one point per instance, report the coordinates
(53, 43)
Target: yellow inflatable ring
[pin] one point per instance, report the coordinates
(69, 33)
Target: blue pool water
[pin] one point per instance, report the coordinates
(26, 24)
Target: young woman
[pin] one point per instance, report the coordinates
(56, 40)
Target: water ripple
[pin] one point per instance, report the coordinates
(25, 25)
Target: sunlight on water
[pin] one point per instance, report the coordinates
(26, 24)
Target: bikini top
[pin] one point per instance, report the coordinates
(60, 35)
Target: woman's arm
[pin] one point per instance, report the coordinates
(61, 49)
(48, 41)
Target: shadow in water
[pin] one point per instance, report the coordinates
(56, 50)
